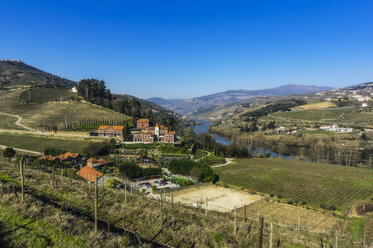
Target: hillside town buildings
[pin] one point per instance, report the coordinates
(147, 133)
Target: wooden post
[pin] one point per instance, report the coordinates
(244, 213)
(161, 207)
(207, 204)
(96, 203)
(260, 238)
(258, 217)
(125, 193)
(22, 180)
(299, 229)
(89, 185)
(364, 235)
(336, 239)
(172, 201)
(271, 233)
(53, 180)
(321, 243)
(235, 222)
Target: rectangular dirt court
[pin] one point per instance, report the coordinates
(219, 198)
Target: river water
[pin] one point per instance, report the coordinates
(203, 128)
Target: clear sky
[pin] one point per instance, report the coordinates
(182, 49)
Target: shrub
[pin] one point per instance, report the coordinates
(323, 206)
(279, 196)
(332, 208)
(271, 195)
(9, 152)
(303, 202)
(291, 202)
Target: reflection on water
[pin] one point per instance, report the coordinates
(200, 129)
(203, 128)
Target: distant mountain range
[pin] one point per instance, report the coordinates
(162, 101)
(14, 73)
(221, 99)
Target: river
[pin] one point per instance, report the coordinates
(203, 128)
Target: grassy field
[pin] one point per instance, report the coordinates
(317, 105)
(313, 183)
(341, 116)
(8, 122)
(41, 95)
(39, 143)
(142, 215)
(38, 115)
(17, 230)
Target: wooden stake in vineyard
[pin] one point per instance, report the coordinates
(22, 180)
(235, 222)
(271, 233)
(260, 238)
(96, 203)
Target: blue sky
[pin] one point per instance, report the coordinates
(183, 49)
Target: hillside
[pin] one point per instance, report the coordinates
(16, 73)
(211, 102)
(44, 100)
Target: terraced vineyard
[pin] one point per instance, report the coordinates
(307, 182)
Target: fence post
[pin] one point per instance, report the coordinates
(161, 207)
(336, 239)
(96, 203)
(207, 204)
(260, 238)
(235, 221)
(22, 180)
(271, 233)
(89, 185)
(172, 209)
(125, 193)
(244, 213)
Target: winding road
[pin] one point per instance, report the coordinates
(228, 161)
(18, 122)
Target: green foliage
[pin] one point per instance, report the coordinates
(94, 91)
(284, 105)
(9, 152)
(140, 146)
(97, 149)
(200, 170)
(111, 183)
(53, 151)
(131, 170)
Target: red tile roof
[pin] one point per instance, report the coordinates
(67, 155)
(87, 172)
(103, 127)
(47, 157)
(143, 120)
(118, 127)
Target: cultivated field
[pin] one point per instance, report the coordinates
(39, 143)
(182, 226)
(303, 182)
(219, 198)
(317, 105)
(8, 122)
(38, 115)
(346, 116)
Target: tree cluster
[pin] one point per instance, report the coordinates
(200, 170)
(232, 150)
(284, 105)
(130, 169)
(94, 91)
